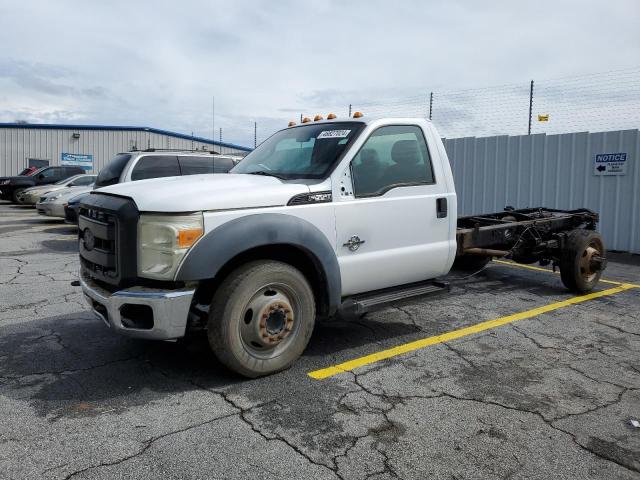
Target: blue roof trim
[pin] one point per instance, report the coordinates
(52, 126)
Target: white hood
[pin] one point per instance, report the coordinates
(192, 193)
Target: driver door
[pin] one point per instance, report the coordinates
(392, 230)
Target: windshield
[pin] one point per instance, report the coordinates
(40, 170)
(308, 151)
(110, 174)
(66, 180)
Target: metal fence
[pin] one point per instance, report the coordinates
(555, 171)
(596, 102)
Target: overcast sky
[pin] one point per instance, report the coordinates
(158, 64)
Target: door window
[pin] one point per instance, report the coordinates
(49, 173)
(83, 181)
(222, 165)
(155, 166)
(393, 156)
(196, 165)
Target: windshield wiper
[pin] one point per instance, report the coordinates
(266, 174)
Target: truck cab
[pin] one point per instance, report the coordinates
(319, 215)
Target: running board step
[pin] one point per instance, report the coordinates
(362, 303)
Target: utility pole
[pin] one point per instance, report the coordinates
(530, 106)
(213, 118)
(255, 134)
(430, 105)
(220, 134)
(349, 110)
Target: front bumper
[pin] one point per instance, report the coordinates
(29, 198)
(140, 312)
(71, 214)
(50, 209)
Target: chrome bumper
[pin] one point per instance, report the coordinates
(169, 309)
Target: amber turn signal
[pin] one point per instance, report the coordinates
(188, 237)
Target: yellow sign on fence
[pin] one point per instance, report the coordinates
(543, 118)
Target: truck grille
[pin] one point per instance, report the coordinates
(98, 242)
(107, 234)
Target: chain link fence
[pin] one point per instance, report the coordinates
(598, 102)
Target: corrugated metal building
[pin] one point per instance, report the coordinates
(21, 142)
(555, 171)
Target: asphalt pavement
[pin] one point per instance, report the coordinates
(549, 395)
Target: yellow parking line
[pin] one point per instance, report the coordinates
(463, 332)
(546, 270)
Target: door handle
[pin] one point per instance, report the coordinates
(441, 207)
(354, 243)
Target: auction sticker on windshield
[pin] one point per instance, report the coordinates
(334, 134)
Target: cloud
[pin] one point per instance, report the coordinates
(159, 63)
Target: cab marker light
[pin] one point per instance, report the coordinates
(306, 120)
(317, 117)
(357, 115)
(292, 124)
(331, 116)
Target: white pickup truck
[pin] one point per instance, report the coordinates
(323, 217)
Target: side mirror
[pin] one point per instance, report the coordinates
(41, 176)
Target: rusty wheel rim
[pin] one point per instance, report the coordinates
(269, 322)
(586, 263)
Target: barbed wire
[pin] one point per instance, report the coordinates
(591, 102)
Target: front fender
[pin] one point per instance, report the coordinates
(227, 241)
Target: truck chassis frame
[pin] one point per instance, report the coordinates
(526, 235)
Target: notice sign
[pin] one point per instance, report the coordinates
(610, 164)
(77, 160)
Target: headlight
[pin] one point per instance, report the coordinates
(164, 240)
(53, 197)
(4, 182)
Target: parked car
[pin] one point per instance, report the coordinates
(142, 165)
(11, 187)
(52, 204)
(331, 216)
(71, 208)
(30, 196)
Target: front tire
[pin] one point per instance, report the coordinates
(261, 318)
(15, 194)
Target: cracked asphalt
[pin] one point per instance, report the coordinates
(545, 397)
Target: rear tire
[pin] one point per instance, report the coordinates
(261, 318)
(576, 269)
(470, 263)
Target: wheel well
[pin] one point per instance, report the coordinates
(293, 255)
